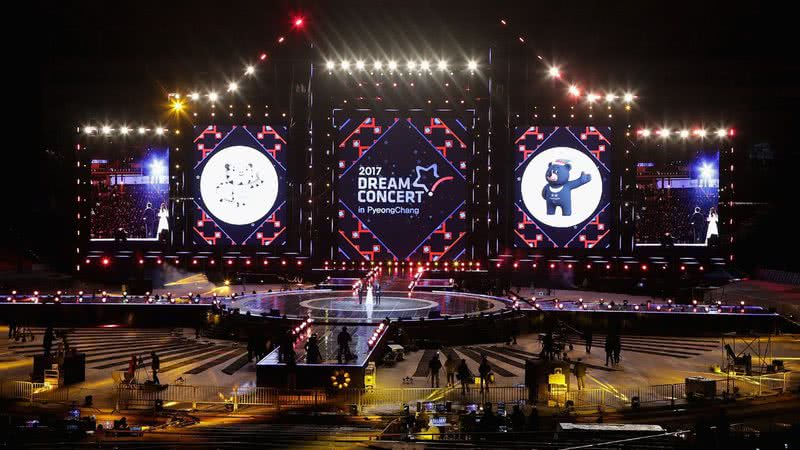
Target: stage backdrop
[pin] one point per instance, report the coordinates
(129, 191)
(402, 184)
(239, 185)
(562, 187)
(677, 196)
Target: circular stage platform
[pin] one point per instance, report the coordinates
(337, 306)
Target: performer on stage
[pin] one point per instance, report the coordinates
(163, 224)
(713, 230)
(149, 218)
(698, 222)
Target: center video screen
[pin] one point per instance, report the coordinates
(402, 184)
(129, 192)
(239, 185)
(562, 181)
(677, 196)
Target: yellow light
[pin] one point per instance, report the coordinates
(177, 106)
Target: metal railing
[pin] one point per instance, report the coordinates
(237, 396)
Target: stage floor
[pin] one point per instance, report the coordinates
(343, 306)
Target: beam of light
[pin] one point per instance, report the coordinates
(554, 72)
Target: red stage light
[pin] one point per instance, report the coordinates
(263, 56)
(105, 261)
(298, 22)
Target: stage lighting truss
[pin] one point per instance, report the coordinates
(420, 66)
(665, 132)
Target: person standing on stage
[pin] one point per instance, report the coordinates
(163, 223)
(580, 374)
(360, 295)
(484, 370)
(149, 218)
(713, 229)
(343, 339)
(450, 368)
(698, 223)
(377, 293)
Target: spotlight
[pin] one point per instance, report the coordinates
(574, 91)
(89, 130)
(442, 65)
(554, 72)
(392, 65)
(472, 65)
(345, 65)
(195, 96)
(684, 134)
(611, 97)
(628, 97)
(177, 106)
(377, 65)
(330, 65)
(142, 130)
(106, 129)
(360, 65)
(424, 65)
(721, 132)
(249, 70)
(159, 131)
(124, 130)
(412, 65)
(592, 97)
(700, 132)
(645, 132)
(664, 133)
(213, 96)
(232, 86)
(298, 22)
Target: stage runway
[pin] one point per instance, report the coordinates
(343, 306)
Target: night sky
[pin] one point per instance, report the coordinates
(716, 61)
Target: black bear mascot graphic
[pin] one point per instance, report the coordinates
(558, 190)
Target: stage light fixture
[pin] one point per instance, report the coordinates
(472, 65)
(232, 86)
(360, 65)
(195, 96)
(721, 132)
(159, 131)
(424, 65)
(142, 130)
(124, 129)
(106, 129)
(298, 22)
(554, 72)
(645, 132)
(574, 91)
(213, 96)
(345, 65)
(628, 97)
(412, 65)
(442, 65)
(592, 97)
(610, 98)
(249, 70)
(89, 130)
(330, 65)
(664, 132)
(377, 65)
(700, 132)
(177, 106)
(684, 134)
(392, 65)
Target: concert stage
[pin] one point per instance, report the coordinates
(344, 306)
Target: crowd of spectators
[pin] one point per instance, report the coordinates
(663, 211)
(114, 208)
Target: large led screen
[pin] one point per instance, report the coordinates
(402, 185)
(129, 192)
(239, 185)
(562, 187)
(678, 197)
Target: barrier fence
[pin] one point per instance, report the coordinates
(235, 397)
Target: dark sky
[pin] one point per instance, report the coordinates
(688, 60)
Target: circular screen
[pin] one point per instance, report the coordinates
(239, 185)
(566, 203)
